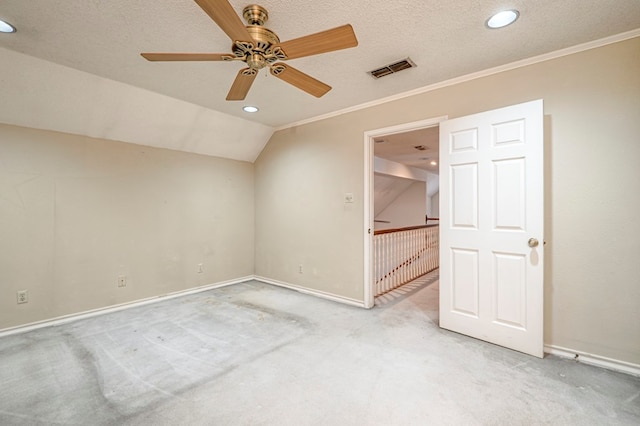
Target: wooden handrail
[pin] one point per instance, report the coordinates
(409, 228)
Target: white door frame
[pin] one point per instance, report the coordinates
(369, 135)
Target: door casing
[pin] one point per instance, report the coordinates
(369, 136)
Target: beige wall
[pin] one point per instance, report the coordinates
(592, 119)
(302, 176)
(76, 212)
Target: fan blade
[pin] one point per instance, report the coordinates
(223, 14)
(299, 79)
(326, 41)
(242, 84)
(187, 56)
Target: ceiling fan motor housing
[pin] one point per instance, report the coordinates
(259, 56)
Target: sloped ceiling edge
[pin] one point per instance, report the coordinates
(43, 95)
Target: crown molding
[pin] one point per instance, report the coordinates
(473, 76)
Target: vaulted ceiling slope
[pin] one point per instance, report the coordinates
(76, 65)
(44, 95)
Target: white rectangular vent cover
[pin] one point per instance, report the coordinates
(393, 68)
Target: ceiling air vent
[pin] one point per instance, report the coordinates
(393, 68)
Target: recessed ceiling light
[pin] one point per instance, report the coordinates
(433, 163)
(250, 108)
(6, 27)
(502, 19)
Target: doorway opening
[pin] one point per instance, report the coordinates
(401, 198)
(490, 259)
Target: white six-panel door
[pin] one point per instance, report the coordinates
(491, 216)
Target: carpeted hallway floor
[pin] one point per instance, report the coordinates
(254, 354)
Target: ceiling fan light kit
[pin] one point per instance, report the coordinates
(259, 47)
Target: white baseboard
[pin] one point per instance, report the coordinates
(597, 360)
(317, 293)
(114, 308)
(155, 299)
(579, 356)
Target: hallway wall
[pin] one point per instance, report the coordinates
(76, 213)
(408, 209)
(435, 205)
(591, 106)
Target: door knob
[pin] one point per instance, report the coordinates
(533, 242)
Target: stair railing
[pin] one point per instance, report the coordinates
(402, 255)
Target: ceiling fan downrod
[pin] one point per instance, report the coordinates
(255, 14)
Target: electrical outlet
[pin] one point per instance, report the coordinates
(23, 296)
(200, 268)
(122, 281)
(300, 270)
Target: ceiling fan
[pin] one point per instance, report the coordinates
(259, 47)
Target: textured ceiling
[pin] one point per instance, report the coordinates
(76, 62)
(402, 148)
(444, 38)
